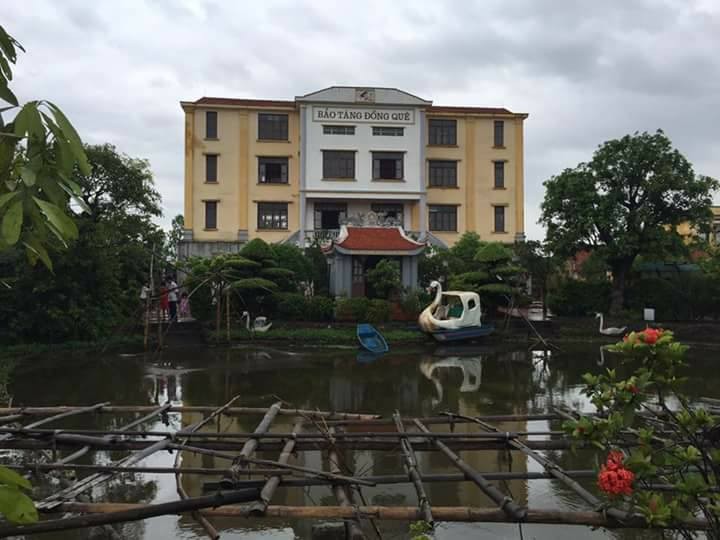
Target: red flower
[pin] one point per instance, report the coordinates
(651, 335)
(613, 477)
(634, 389)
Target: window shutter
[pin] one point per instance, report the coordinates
(376, 168)
(284, 172)
(262, 173)
(398, 168)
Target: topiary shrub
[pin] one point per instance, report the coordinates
(320, 308)
(352, 309)
(257, 250)
(290, 307)
(378, 311)
(575, 298)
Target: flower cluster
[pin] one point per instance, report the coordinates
(649, 336)
(613, 477)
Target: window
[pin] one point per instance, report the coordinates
(443, 173)
(272, 215)
(211, 125)
(499, 219)
(443, 218)
(338, 164)
(272, 170)
(388, 131)
(499, 133)
(211, 168)
(273, 127)
(387, 165)
(211, 214)
(329, 216)
(339, 130)
(443, 131)
(499, 174)
(393, 211)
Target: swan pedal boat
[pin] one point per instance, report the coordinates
(453, 316)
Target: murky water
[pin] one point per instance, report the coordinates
(471, 380)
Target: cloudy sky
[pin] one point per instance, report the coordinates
(585, 71)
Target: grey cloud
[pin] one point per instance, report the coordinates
(585, 71)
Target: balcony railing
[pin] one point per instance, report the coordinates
(321, 236)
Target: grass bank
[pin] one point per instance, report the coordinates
(315, 336)
(29, 349)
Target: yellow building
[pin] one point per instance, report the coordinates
(298, 170)
(688, 232)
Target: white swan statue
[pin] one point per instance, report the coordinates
(260, 324)
(610, 331)
(435, 317)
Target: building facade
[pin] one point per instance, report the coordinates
(295, 171)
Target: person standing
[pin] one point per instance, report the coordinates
(164, 301)
(172, 298)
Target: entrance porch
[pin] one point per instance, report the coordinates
(356, 250)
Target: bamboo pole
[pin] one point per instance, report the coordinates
(308, 470)
(206, 525)
(556, 472)
(250, 446)
(285, 435)
(146, 339)
(132, 512)
(69, 440)
(507, 505)
(273, 482)
(333, 417)
(95, 479)
(58, 416)
(411, 467)
(353, 530)
(388, 513)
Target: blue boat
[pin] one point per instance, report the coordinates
(463, 334)
(371, 339)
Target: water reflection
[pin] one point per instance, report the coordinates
(416, 381)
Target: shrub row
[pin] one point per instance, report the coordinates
(363, 310)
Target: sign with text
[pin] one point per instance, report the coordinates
(365, 115)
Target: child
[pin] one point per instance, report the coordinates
(164, 302)
(185, 306)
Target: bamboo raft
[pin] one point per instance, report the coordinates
(332, 433)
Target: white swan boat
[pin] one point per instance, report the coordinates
(453, 316)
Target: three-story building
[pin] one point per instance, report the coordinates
(296, 171)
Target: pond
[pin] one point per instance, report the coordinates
(472, 380)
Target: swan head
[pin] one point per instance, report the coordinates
(434, 285)
(245, 314)
(598, 315)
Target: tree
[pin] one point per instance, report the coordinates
(39, 149)
(492, 274)
(95, 285)
(384, 279)
(174, 236)
(625, 201)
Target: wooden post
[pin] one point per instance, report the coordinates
(147, 299)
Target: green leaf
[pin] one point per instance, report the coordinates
(72, 137)
(12, 223)
(16, 506)
(34, 246)
(36, 129)
(11, 478)
(7, 45)
(7, 95)
(28, 176)
(58, 218)
(7, 197)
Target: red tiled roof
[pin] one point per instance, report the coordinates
(377, 239)
(244, 102)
